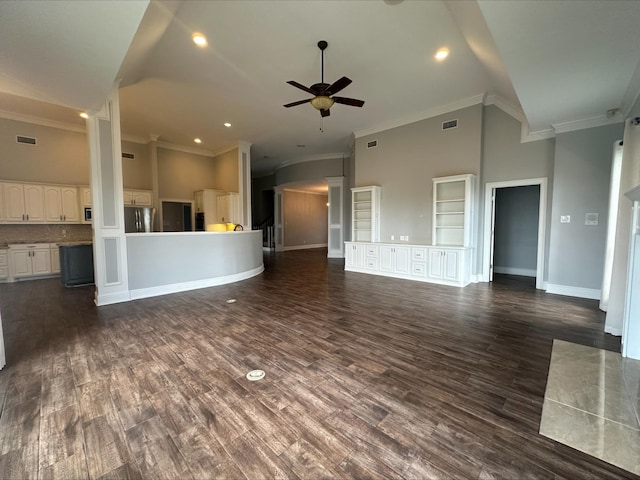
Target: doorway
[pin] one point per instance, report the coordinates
(508, 229)
(176, 216)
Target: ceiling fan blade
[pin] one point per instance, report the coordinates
(300, 102)
(325, 113)
(336, 86)
(349, 101)
(301, 87)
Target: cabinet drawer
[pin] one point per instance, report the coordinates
(3, 260)
(4, 272)
(419, 254)
(372, 263)
(419, 269)
(372, 250)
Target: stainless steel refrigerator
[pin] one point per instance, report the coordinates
(138, 219)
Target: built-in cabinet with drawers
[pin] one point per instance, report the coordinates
(27, 260)
(4, 264)
(424, 263)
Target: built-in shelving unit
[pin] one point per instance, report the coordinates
(365, 214)
(452, 210)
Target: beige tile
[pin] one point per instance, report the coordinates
(593, 435)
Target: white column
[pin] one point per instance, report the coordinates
(244, 183)
(152, 148)
(335, 242)
(109, 241)
(278, 218)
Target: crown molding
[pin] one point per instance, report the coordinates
(306, 192)
(182, 148)
(224, 150)
(20, 117)
(526, 135)
(433, 112)
(134, 139)
(589, 122)
(310, 158)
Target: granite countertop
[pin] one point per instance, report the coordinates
(60, 244)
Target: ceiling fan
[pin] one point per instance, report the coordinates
(323, 92)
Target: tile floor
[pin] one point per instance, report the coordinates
(592, 403)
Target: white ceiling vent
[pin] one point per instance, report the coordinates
(372, 144)
(27, 140)
(132, 156)
(450, 124)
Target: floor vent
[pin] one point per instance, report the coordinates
(27, 140)
(132, 156)
(372, 144)
(450, 124)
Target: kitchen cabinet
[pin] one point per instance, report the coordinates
(206, 201)
(23, 203)
(61, 204)
(55, 258)
(2, 214)
(139, 198)
(453, 204)
(29, 260)
(4, 264)
(423, 263)
(85, 196)
(228, 208)
(394, 259)
(365, 214)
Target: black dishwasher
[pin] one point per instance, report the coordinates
(76, 264)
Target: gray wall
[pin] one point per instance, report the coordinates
(405, 161)
(60, 156)
(136, 173)
(305, 219)
(180, 174)
(581, 185)
(505, 158)
(516, 230)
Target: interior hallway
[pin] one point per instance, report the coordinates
(366, 376)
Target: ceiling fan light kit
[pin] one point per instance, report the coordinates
(324, 93)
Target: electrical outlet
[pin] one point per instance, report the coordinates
(565, 218)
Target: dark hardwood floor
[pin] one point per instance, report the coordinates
(366, 377)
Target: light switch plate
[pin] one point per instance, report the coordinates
(565, 218)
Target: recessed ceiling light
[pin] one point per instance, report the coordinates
(199, 39)
(197, 140)
(227, 124)
(84, 115)
(442, 54)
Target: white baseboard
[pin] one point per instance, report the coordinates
(591, 293)
(111, 298)
(617, 332)
(193, 285)
(523, 272)
(304, 247)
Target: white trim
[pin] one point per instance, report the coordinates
(542, 224)
(182, 148)
(305, 247)
(523, 272)
(590, 122)
(224, 150)
(591, 293)
(310, 158)
(134, 139)
(613, 331)
(20, 117)
(506, 106)
(526, 135)
(110, 298)
(194, 284)
(308, 192)
(433, 112)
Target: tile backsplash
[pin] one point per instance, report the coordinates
(46, 233)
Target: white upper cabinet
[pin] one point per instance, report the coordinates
(139, 198)
(365, 214)
(453, 205)
(61, 204)
(23, 203)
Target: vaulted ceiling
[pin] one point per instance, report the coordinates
(555, 65)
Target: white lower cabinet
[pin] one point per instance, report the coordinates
(394, 259)
(424, 263)
(355, 256)
(55, 258)
(29, 260)
(4, 264)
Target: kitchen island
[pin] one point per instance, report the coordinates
(170, 262)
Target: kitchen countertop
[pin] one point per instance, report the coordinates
(60, 244)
